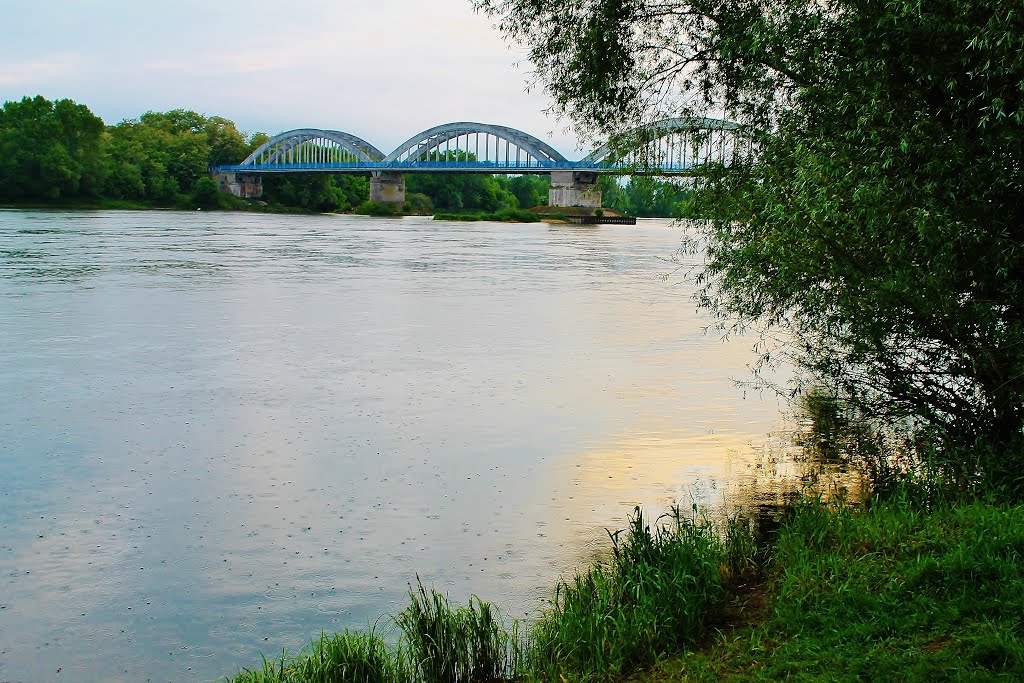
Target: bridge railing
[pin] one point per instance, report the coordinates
(512, 167)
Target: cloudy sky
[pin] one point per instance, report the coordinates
(379, 69)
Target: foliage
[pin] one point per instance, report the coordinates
(49, 150)
(379, 209)
(653, 598)
(418, 204)
(317, 191)
(502, 216)
(162, 155)
(902, 593)
(60, 151)
(457, 191)
(347, 657)
(530, 190)
(645, 196)
(446, 644)
(874, 236)
(205, 194)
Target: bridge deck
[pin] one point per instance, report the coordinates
(453, 167)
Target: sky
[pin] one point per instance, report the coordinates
(380, 69)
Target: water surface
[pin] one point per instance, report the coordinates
(223, 433)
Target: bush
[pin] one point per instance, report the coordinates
(418, 204)
(653, 598)
(347, 657)
(502, 216)
(371, 208)
(205, 194)
(454, 645)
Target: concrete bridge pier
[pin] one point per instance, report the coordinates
(574, 188)
(245, 185)
(387, 187)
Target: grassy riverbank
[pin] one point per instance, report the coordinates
(886, 591)
(893, 592)
(224, 203)
(89, 204)
(502, 216)
(229, 203)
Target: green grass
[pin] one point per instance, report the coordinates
(440, 643)
(888, 593)
(654, 597)
(347, 657)
(445, 644)
(500, 216)
(88, 204)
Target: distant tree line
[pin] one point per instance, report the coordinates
(52, 151)
(646, 196)
(60, 152)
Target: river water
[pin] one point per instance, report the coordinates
(221, 434)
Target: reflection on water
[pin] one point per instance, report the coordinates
(224, 433)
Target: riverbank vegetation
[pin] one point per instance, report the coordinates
(648, 196)
(890, 591)
(500, 216)
(59, 154)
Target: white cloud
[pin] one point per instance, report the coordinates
(24, 75)
(382, 70)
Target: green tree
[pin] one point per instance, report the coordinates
(530, 190)
(457, 191)
(205, 194)
(645, 196)
(418, 204)
(353, 189)
(227, 145)
(256, 140)
(317, 191)
(169, 152)
(877, 228)
(142, 150)
(49, 150)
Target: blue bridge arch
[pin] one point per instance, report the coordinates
(675, 146)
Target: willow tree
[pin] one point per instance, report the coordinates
(876, 235)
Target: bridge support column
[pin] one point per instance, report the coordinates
(245, 185)
(574, 188)
(387, 187)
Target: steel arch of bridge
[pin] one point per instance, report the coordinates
(310, 149)
(420, 146)
(629, 141)
(279, 147)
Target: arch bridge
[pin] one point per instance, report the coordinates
(671, 147)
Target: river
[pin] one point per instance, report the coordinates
(222, 433)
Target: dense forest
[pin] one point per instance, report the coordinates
(60, 153)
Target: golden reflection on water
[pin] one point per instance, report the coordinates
(681, 428)
(707, 473)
